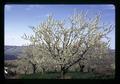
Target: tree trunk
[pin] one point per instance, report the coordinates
(25, 72)
(81, 68)
(63, 72)
(34, 68)
(43, 70)
(65, 68)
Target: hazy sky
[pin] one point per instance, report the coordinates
(18, 18)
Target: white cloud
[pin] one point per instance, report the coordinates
(8, 7)
(15, 40)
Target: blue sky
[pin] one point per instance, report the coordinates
(18, 18)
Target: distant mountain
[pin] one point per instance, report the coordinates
(111, 52)
(10, 57)
(11, 52)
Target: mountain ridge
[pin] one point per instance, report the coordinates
(12, 52)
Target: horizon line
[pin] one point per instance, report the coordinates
(27, 45)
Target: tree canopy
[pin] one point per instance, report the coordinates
(68, 41)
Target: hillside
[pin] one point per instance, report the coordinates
(11, 52)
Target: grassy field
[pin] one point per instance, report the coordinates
(69, 75)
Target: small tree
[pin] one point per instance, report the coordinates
(38, 60)
(68, 43)
(29, 57)
(96, 56)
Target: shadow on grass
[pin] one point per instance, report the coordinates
(69, 75)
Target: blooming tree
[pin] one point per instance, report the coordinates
(68, 41)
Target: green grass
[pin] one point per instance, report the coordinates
(73, 75)
(41, 76)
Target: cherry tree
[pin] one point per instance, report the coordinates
(67, 41)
